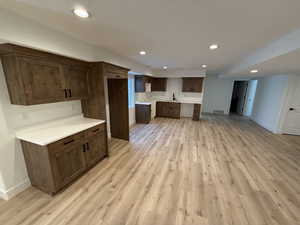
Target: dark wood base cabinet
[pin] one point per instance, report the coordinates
(142, 113)
(168, 109)
(56, 165)
(196, 112)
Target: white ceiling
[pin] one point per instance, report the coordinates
(176, 33)
(280, 65)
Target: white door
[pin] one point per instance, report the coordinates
(292, 121)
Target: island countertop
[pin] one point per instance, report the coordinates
(47, 133)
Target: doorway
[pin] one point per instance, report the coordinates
(238, 98)
(243, 96)
(118, 108)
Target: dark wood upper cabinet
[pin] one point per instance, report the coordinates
(140, 83)
(115, 72)
(192, 84)
(158, 84)
(76, 82)
(36, 77)
(35, 81)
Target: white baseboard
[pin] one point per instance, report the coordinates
(13, 191)
(2, 195)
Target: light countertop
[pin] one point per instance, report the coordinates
(143, 103)
(183, 101)
(47, 133)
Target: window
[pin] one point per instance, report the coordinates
(131, 92)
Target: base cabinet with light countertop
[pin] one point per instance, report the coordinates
(143, 112)
(172, 109)
(52, 166)
(196, 112)
(168, 109)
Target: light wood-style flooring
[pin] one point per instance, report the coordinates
(219, 171)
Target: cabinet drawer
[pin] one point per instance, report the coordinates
(95, 130)
(67, 142)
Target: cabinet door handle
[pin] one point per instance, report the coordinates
(87, 146)
(70, 93)
(84, 150)
(66, 94)
(68, 142)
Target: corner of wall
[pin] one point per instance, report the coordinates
(13, 191)
(3, 195)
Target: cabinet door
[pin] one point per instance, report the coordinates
(43, 81)
(143, 113)
(159, 109)
(76, 82)
(174, 110)
(192, 84)
(115, 72)
(158, 84)
(139, 82)
(67, 164)
(196, 112)
(96, 148)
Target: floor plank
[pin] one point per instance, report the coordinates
(218, 171)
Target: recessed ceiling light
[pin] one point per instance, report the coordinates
(165, 67)
(204, 66)
(213, 47)
(142, 53)
(253, 71)
(81, 12)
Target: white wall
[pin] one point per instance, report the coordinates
(217, 94)
(15, 29)
(269, 101)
